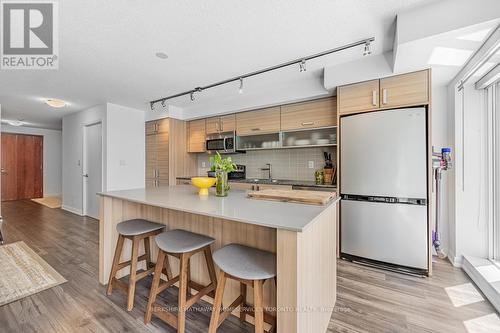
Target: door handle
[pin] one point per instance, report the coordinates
(86, 175)
(309, 123)
(374, 98)
(384, 96)
(3, 171)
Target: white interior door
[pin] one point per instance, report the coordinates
(92, 168)
(384, 154)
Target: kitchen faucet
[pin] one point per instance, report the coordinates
(269, 168)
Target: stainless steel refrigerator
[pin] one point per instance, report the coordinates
(383, 184)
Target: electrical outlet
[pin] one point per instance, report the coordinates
(311, 164)
(203, 164)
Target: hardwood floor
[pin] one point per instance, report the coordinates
(369, 300)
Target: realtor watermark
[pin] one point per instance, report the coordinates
(29, 33)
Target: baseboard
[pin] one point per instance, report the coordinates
(456, 260)
(492, 294)
(72, 210)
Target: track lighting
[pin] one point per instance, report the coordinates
(367, 50)
(302, 65)
(241, 86)
(163, 103)
(152, 104)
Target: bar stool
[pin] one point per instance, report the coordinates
(251, 267)
(135, 230)
(183, 245)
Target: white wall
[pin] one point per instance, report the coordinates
(123, 151)
(125, 148)
(72, 133)
(52, 162)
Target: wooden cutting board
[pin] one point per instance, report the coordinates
(297, 196)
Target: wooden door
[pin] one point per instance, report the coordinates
(9, 167)
(258, 122)
(363, 96)
(196, 136)
(22, 166)
(312, 114)
(405, 90)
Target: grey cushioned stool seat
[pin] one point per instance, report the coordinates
(137, 226)
(182, 241)
(246, 262)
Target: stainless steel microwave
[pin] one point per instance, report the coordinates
(224, 143)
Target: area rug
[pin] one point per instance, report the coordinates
(24, 273)
(51, 202)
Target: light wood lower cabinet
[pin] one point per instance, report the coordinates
(311, 114)
(358, 97)
(258, 122)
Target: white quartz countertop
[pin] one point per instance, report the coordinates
(236, 207)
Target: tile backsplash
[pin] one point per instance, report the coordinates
(289, 164)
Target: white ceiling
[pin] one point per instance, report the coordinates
(107, 52)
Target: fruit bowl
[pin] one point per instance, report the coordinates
(203, 183)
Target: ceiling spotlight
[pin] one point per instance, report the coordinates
(302, 65)
(241, 86)
(192, 95)
(161, 55)
(367, 50)
(152, 106)
(163, 103)
(55, 103)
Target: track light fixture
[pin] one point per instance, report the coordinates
(302, 66)
(152, 105)
(240, 90)
(301, 62)
(163, 103)
(367, 50)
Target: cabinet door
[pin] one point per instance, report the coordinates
(258, 122)
(151, 155)
(358, 97)
(313, 114)
(213, 125)
(405, 90)
(150, 127)
(162, 155)
(196, 136)
(242, 186)
(228, 123)
(163, 125)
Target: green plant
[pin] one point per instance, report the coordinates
(217, 163)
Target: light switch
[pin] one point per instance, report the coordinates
(311, 164)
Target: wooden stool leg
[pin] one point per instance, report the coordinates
(259, 311)
(154, 286)
(147, 250)
(210, 265)
(167, 270)
(188, 279)
(214, 320)
(243, 293)
(116, 262)
(133, 273)
(183, 273)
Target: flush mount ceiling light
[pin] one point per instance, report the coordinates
(55, 103)
(301, 62)
(161, 55)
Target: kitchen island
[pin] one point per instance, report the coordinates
(302, 236)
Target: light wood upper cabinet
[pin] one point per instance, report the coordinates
(406, 89)
(357, 97)
(258, 122)
(311, 114)
(221, 124)
(196, 136)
